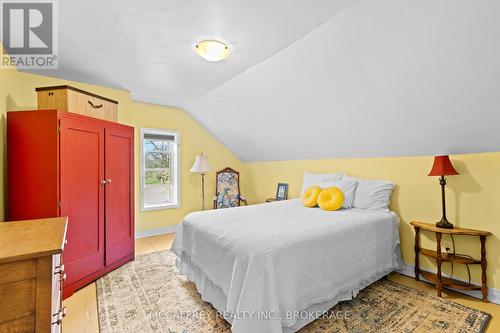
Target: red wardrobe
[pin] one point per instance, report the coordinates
(65, 164)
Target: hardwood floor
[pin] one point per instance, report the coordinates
(491, 308)
(82, 306)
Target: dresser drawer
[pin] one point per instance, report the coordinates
(20, 325)
(16, 300)
(17, 271)
(30, 286)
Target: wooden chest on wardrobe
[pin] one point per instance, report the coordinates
(65, 164)
(71, 99)
(31, 276)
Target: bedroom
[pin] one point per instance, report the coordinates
(356, 95)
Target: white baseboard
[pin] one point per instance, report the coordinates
(155, 232)
(493, 294)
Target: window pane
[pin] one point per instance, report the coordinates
(159, 169)
(158, 194)
(155, 159)
(156, 145)
(157, 176)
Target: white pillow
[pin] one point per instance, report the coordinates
(347, 186)
(311, 178)
(373, 194)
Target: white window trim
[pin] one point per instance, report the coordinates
(177, 172)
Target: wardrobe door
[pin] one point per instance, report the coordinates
(82, 196)
(119, 193)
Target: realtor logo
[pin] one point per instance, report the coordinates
(29, 34)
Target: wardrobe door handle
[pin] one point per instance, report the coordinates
(103, 182)
(108, 181)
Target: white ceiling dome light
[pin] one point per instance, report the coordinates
(212, 50)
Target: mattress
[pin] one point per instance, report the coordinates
(275, 267)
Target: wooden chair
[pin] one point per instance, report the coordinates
(227, 189)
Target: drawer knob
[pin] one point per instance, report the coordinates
(60, 315)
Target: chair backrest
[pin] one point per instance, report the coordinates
(227, 188)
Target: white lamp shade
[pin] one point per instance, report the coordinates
(201, 165)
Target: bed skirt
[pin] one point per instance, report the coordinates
(213, 294)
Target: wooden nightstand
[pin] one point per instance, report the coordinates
(440, 281)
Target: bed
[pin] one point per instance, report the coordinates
(277, 266)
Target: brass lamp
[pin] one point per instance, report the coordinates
(442, 167)
(201, 166)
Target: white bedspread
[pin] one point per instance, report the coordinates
(272, 259)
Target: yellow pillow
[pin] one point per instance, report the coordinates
(330, 198)
(310, 196)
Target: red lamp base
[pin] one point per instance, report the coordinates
(444, 221)
(444, 224)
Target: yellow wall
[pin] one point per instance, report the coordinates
(193, 139)
(3, 176)
(472, 197)
(17, 92)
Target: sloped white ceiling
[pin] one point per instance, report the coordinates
(306, 79)
(387, 78)
(146, 46)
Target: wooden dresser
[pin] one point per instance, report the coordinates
(31, 275)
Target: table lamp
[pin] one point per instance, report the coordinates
(442, 167)
(201, 166)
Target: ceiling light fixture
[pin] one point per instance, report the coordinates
(212, 50)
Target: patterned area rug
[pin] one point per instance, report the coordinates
(148, 295)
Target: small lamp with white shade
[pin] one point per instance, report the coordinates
(202, 167)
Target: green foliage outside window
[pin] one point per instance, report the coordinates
(157, 162)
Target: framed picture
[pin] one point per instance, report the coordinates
(282, 191)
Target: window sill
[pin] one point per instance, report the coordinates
(162, 207)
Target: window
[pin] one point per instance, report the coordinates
(159, 169)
